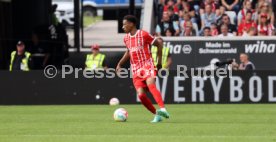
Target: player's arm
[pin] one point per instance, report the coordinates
(159, 44)
(124, 59)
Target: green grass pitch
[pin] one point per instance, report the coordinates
(94, 123)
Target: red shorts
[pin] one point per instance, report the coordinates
(139, 79)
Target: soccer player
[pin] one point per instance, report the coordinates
(142, 65)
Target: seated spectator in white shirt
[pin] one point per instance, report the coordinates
(186, 18)
(224, 31)
(231, 27)
(189, 30)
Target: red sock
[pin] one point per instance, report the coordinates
(147, 103)
(157, 95)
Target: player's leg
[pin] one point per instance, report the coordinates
(155, 92)
(148, 104)
(140, 85)
(157, 96)
(145, 100)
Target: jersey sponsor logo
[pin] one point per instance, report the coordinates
(260, 47)
(135, 48)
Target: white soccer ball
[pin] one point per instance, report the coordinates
(120, 115)
(114, 101)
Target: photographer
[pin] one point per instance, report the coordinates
(245, 63)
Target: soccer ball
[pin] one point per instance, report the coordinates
(120, 115)
(114, 101)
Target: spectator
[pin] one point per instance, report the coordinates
(207, 31)
(173, 17)
(252, 32)
(265, 8)
(95, 60)
(246, 24)
(265, 28)
(178, 4)
(170, 3)
(245, 63)
(214, 29)
(194, 4)
(254, 3)
(212, 15)
(165, 24)
(169, 32)
(231, 28)
(258, 4)
(189, 30)
(186, 17)
(231, 5)
(247, 6)
(219, 13)
(187, 8)
(224, 31)
(208, 17)
(194, 14)
(20, 59)
(217, 3)
(203, 5)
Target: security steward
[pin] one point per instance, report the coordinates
(95, 60)
(166, 57)
(20, 59)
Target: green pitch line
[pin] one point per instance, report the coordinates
(94, 123)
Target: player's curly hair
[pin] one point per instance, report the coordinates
(131, 18)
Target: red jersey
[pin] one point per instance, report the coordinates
(244, 27)
(266, 30)
(138, 46)
(166, 7)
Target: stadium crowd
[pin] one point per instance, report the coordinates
(220, 18)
